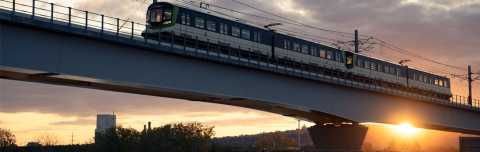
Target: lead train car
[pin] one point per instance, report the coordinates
(169, 18)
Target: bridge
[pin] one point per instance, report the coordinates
(45, 48)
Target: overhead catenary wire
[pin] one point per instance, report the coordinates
(338, 32)
(294, 22)
(417, 56)
(399, 49)
(240, 19)
(132, 14)
(429, 68)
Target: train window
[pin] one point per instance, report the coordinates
(359, 62)
(304, 48)
(372, 66)
(329, 54)
(436, 81)
(425, 79)
(420, 77)
(445, 83)
(259, 37)
(398, 72)
(392, 70)
(286, 44)
(183, 18)
(367, 64)
(168, 14)
(296, 47)
(386, 69)
(199, 22)
(211, 25)
(225, 28)
(235, 31)
(314, 51)
(349, 60)
(156, 15)
(188, 19)
(246, 34)
(431, 80)
(322, 53)
(337, 57)
(255, 36)
(440, 82)
(379, 67)
(415, 76)
(221, 28)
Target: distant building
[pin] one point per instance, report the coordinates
(105, 121)
(32, 144)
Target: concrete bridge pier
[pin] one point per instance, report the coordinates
(331, 136)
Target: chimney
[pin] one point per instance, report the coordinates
(144, 127)
(149, 125)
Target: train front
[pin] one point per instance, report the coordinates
(161, 16)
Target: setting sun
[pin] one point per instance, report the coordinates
(405, 128)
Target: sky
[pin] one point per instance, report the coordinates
(445, 31)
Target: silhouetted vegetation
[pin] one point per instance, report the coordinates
(367, 146)
(403, 146)
(276, 140)
(7, 140)
(171, 137)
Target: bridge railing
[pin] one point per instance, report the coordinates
(67, 19)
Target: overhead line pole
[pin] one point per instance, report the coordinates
(470, 85)
(356, 41)
(470, 80)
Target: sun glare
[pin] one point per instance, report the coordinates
(405, 128)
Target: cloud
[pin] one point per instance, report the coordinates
(18, 96)
(75, 122)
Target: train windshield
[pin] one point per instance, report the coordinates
(156, 15)
(159, 15)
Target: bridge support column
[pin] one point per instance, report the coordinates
(338, 137)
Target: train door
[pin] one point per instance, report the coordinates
(349, 59)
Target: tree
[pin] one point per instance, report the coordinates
(47, 139)
(367, 146)
(117, 139)
(392, 146)
(275, 140)
(7, 139)
(178, 137)
(170, 137)
(416, 147)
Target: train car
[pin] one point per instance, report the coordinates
(210, 31)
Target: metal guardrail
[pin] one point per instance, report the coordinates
(108, 28)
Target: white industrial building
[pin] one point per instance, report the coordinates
(105, 121)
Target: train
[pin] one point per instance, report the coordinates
(192, 27)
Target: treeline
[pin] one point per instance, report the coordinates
(170, 137)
